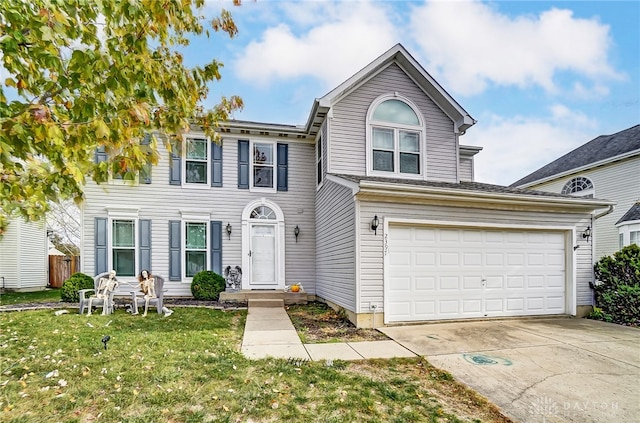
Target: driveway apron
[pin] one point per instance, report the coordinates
(538, 370)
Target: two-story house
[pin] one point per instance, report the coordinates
(608, 167)
(370, 205)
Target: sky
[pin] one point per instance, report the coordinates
(540, 77)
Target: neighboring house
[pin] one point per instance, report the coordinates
(370, 205)
(23, 256)
(605, 167)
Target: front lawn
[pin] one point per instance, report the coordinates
(188, 368)
(45, 296)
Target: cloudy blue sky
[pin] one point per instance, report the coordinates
(540, 77)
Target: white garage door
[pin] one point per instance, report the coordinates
(450, 273)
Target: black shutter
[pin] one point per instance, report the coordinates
(216, 247)
(216, 164)
(101, 247)
(144, 229)
(243, 164)
(283, 171)
(175, 258)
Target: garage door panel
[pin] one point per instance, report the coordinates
(445, 273)
(400, 258)
(449, 259)
(494, 282)
(470, 283)
(449, 283)
(425, 259)
(425, 283)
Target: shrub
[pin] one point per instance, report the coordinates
(70, 287)
(618, 287)
(207, 285)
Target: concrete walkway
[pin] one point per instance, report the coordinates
(270, 333)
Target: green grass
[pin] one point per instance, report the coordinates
(188, 368)
(48, 295)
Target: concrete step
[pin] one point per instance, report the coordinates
(265, 302)
(245, 295)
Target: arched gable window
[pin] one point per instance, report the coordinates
(579, 187)
(394, 137)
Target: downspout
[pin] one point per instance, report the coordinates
(593, 284)
(609, 211)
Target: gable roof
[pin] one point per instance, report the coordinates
(631, 215)
(601, 150)
(396, 54)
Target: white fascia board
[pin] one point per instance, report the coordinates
(353, 186)
(628, 222)
(581, 168)
(406, 191)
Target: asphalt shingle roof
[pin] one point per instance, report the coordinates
(598, 149)
(466, 186)
(632, 214)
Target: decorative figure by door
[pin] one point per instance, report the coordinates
(233, 277)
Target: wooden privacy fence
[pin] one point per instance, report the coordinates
(60, 268)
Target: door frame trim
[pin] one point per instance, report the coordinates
(278, 223)
(570, 253)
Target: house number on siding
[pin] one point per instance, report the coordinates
(386, 244)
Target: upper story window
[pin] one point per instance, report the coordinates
(263, 165)
(196, 161)
(395, 134)
(579, 187)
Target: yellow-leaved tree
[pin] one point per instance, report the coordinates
(82, 75)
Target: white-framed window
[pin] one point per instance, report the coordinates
(123, 246)
(319, 161)
(629, 233)
(263, 166)
(196, 163)
(634, 237)
(579, 187)
(395, 138)
(195, 247)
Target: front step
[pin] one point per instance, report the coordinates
(271, 303)
(245, 296)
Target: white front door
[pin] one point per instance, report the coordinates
(263, 256)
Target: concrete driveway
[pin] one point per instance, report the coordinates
(539, 370)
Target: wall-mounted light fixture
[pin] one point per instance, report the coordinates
(229, 230)
(296, 232)
(374, 224)
(587, 233)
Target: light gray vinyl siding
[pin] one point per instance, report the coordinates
(466, 169)
(618, 181)
(372, 246)
(335, 245)
(161, 203)
(24, 256)
(348, 127)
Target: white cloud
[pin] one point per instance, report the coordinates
(471, 45)
(346, 38)
(517, 146)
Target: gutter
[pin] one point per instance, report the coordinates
(405, 191)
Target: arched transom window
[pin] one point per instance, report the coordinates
(263, 212)
(395, 138)
(580, 186)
